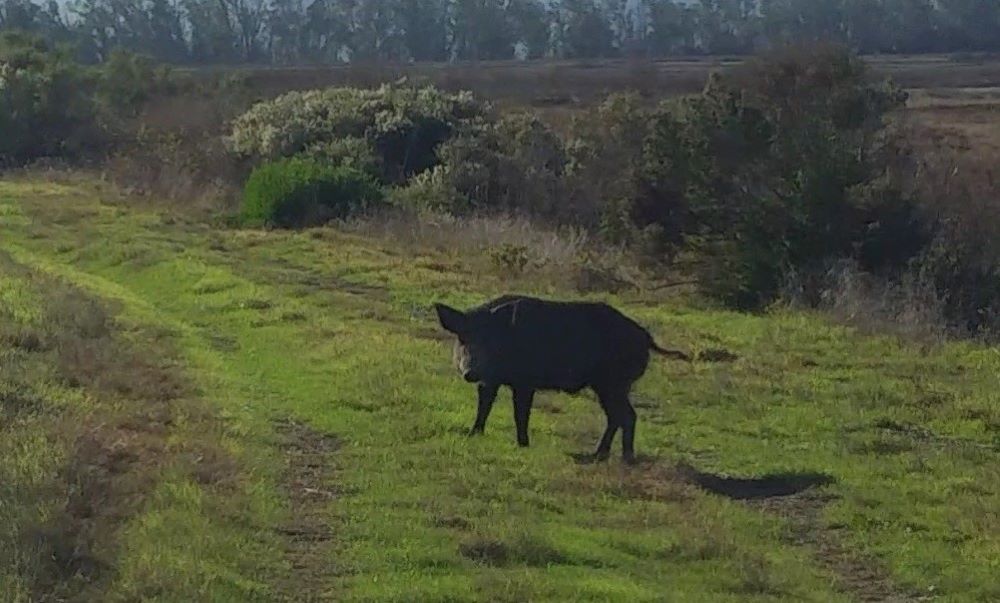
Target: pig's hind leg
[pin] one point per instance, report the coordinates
(607, 399)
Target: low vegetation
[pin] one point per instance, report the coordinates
(51, 106)
(117, 480)
(198, 408)
(778, 172)
(904, 438)
(45, 107)
(757, 188)
(301, 192)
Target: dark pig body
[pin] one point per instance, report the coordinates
(529, 344)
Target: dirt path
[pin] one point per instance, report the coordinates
(308, 487)
(114, 443)
(797, 500)
(862, 578)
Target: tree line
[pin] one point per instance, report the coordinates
(300, 31)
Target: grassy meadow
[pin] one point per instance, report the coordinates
(195, 412)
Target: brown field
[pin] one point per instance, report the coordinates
(962, 120)
(562, 82)
(959, 96)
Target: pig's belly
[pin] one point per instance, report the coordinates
(564, 381)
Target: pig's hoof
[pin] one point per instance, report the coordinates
(474, 432)
(589, 458)
(630, 460)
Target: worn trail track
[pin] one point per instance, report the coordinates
(797, 500)
(308, 486)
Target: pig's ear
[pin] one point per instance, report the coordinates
(507, 313)
(451, 319)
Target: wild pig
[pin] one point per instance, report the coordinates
(529, 344)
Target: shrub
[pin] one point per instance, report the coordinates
(430, 191)
(962, 263)
(402, 126)
(126, 81)
(46, 104)
(531, 164)
(514, 164)
(349, 152)
(782, 165)
(509, 258)
(605, 153)
(300, 192)
(190, 168)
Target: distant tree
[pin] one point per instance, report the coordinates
(325, 32)
(248, 21)
(482, 30)
(533, 25)
(666, 28)
(372, 29)
(166, 25)
(864, 25)
(212, 37)
(912, 26)
(971, 24)
(36, 17)
(802, 21)
(99, 27)
(286, 39)
(423, 27)
(585, 31)
(19, 14)
(288, 31)
(726, 26)
(47, 105)
(153, 27)
(621, 16)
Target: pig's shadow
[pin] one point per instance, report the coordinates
(772, 485)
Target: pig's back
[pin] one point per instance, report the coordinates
(569, 345)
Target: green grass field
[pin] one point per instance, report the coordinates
(194, 413)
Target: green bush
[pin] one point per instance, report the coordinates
(401, 126)
(514, 164)
(605, 151)
(300, 192)
(780, 166)
(46, 101)
(126, 81)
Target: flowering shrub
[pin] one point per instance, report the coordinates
(401, 126)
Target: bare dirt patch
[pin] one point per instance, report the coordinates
(308, 486)
(718, 355)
